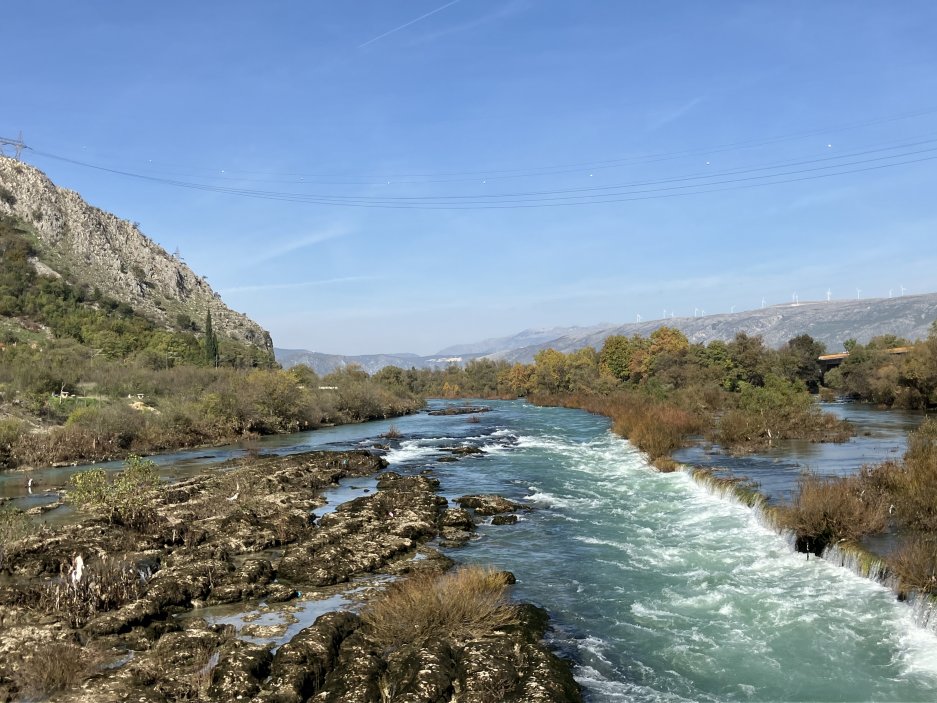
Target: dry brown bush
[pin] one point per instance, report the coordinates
(828, 510)
(105, 584)
(52, 667)
(14, 526)
(915, 564)
(916, 499)
(654, 426)
(468, 603)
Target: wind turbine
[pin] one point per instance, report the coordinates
(795, 299)
(858, 292)
(732, 309)
(903, 289)
(637, 318)
(828, 294)
(889, 292)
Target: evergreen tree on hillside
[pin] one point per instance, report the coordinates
(211, 342)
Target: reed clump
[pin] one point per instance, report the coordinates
(50, 667)
(828, 510)
(656, 427)
(468, 603)
(14, 526)
(393, 432)
(914, 486)
(85, 590)
(915, 564)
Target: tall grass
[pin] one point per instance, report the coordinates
(14, 526)
(105, 584)
(50, 667)
(829, 510)
(654, 426)
(915, 564)
(465, 604)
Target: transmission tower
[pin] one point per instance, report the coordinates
(17, 145)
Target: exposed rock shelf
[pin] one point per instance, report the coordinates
(250, 534)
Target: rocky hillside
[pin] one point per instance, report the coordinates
(91, 247)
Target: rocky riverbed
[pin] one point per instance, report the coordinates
(98, 611)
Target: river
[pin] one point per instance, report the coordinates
(659, 590)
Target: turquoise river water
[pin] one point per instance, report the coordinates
(658, 589)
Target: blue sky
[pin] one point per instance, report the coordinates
(419, 173)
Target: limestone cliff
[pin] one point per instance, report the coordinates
(93, 247)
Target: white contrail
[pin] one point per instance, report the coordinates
(404, 26)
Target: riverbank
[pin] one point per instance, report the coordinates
(133, 616)
(182, 407)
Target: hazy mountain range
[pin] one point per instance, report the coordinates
(830, 322)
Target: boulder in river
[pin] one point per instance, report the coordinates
(489, 504)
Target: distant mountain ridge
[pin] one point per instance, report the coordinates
(524, 338)
(830, 322)
(324, 364)
(91, 247)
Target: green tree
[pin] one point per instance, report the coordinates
(583, 368)
(798, 360)
(211, 342)
(550, 372)
(750, 358)
(621, 356)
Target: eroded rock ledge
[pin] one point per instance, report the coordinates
(243, 535)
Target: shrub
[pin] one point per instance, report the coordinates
(125, 499)
(14, 526)
(465, 604)
(910, 487)
(6, 195)
(915, 564)
(828, 510)
(51, 667)
(778, 410)
(117, 424)
(654, 426)
(10, 430)
(104, 584)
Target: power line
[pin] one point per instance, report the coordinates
(473, 175)
(624, 194)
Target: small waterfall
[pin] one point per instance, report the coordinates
(741, 490)
(862, 562)
(925, 610)
(767, 517)
(844, 554)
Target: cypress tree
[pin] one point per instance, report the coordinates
(211, 342)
